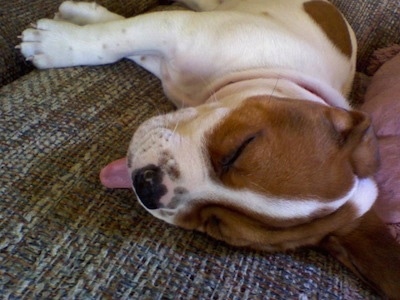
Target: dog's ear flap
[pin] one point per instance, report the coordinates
(356, 135)
(369, 250)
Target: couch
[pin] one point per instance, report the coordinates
(64, 236)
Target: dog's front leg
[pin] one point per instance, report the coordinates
(53, 43)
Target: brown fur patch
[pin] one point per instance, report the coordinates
(332, 23)
(367, 248)
(167, 162)
(295, 153)
(240, 227)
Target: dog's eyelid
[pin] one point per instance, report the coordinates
(228, 160)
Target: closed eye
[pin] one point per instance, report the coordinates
(228, 160)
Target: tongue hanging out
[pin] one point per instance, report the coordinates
(116, 175)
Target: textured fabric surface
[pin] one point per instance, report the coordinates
(375, 22)
(64, 236)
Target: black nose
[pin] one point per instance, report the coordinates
(147, 182)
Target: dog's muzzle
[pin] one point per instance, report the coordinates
(147, 183)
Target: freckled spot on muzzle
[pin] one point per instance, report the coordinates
(168, 163)
(177, 198)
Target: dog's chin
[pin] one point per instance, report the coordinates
(116, 175)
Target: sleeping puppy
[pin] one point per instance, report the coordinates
(265, 151)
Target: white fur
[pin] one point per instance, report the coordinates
(272, 207)
(175, 52)
(365, 197)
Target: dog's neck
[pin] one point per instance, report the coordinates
(277, 83)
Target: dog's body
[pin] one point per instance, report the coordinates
(270, 154)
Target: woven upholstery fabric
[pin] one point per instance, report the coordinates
(375, 23)
(64, 236)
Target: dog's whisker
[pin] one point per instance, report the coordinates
(175, 128)
(258, 186)
(215, 97)
(206, 82)
(159, 112)
(274, 89)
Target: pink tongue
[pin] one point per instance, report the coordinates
(116, 175)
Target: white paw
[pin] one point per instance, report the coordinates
(82, 13)
(51, 44)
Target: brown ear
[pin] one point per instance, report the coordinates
(369, 250)
(356, 135)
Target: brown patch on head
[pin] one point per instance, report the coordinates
(292, 148)
(289, 148)
(332, 23)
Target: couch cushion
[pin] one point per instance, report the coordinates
(376, 24)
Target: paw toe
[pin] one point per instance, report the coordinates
(66, 6)
(30, 35)
(42, 61)
(46, 24)
(29, 49)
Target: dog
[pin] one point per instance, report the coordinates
(264, 151)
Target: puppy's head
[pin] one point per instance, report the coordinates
(266, 173)
(271, 174)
